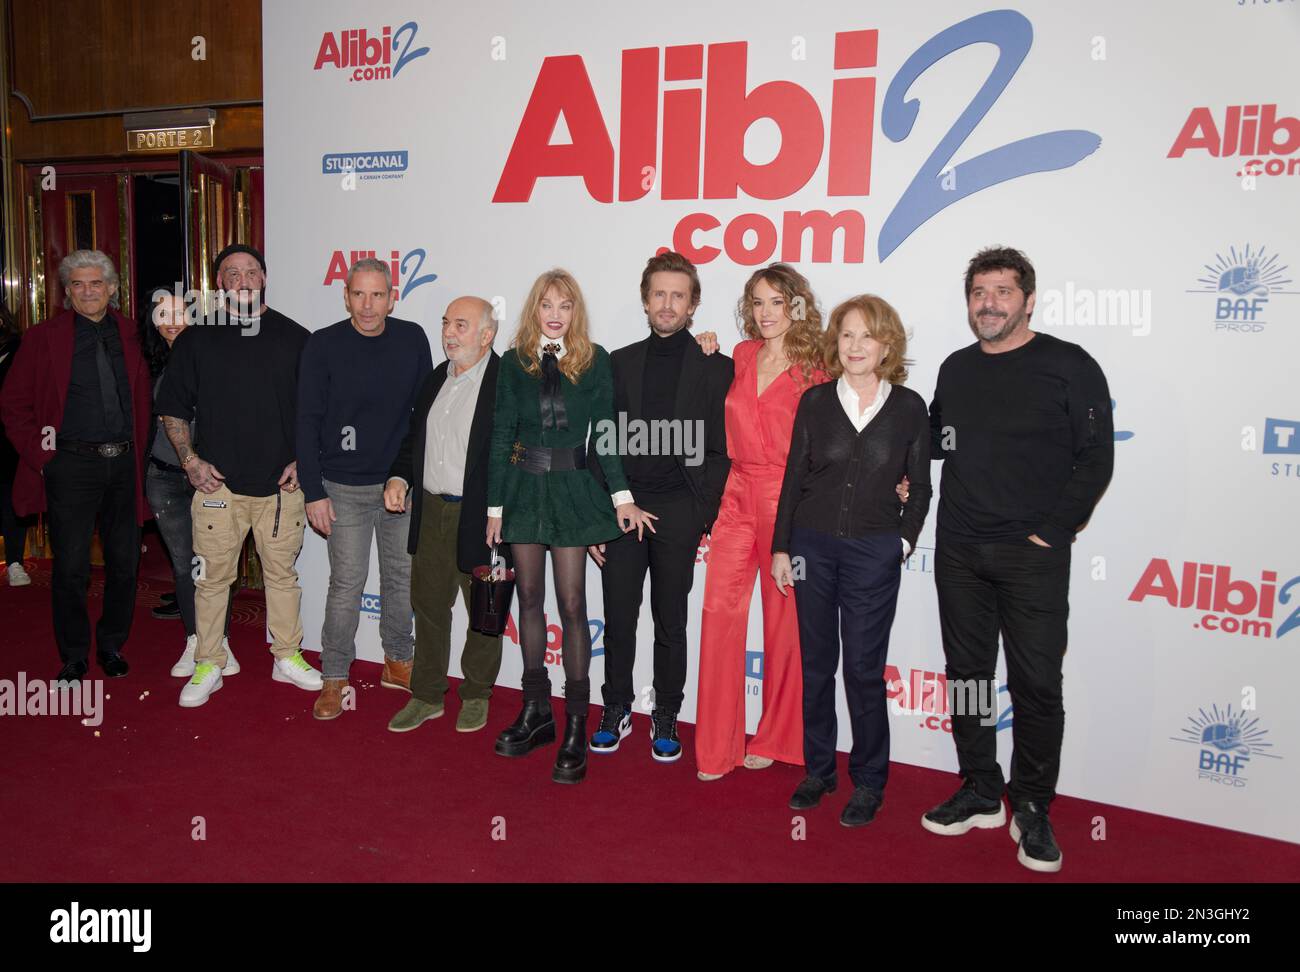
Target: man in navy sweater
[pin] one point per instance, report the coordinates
(1022, 422)
(356, 387)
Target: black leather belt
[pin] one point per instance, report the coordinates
(542, 459)
(106, 450)
(166, 466)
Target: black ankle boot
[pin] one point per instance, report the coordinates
(534, 727)
(571, 761)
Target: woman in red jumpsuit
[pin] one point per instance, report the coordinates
(781, 359)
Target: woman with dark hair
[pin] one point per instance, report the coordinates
(15, 527)
(166, 486)
(779, 361)
(841, 519)
(553, 386)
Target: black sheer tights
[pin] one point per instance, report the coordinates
(569, 569)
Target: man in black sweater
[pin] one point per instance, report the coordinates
(235, 376)
(1023, 424)
(669, 398)
(358, 383)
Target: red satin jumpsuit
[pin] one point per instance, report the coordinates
(740, 546)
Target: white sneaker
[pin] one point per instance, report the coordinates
(206, 680)
(17, 576)
(232, 666)
(184, 666)
(297, 671)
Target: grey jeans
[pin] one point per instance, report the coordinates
(359, 513)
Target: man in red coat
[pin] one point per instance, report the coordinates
(76, 406)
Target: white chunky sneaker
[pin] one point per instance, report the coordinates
(184, 666)
(206, 680)
(297, 671)
(18, 577)
(232, 666)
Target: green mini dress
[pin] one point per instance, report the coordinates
(565, 508)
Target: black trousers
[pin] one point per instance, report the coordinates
(846, 600)
(669, 556)
(15, 526)
(1022, 591)
(78, 489)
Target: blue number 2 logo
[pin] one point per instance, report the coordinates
(404, 52)
(1013, 35)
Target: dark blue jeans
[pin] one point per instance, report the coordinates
(846, 600)
(169, 493)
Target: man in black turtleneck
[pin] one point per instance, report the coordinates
(669, 402)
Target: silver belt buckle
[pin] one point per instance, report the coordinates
(111, 450)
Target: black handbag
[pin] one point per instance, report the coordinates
(492, 588)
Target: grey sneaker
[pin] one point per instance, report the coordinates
(414, 714)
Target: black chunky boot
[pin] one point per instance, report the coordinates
(571, 760)
(536, 723)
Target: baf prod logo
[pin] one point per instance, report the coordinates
(370, 56)
(367, 166)
(1282, 438)
(1244, 282)
(1218, 601)
(693, 151)
(1226, 742)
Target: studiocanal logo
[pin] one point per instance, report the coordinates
(369, 56)
(1282, 438)
(1226, 742)
(1244, 282)
(405, 268)
(367, 166)
(1218, 602)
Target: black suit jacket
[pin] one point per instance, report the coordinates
(701, 395)
(471, 548)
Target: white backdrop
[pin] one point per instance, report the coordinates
(1156, 249)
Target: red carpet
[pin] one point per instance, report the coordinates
(286, 798)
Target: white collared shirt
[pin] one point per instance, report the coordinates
(447, 428)
(852, 404)
(861, 419)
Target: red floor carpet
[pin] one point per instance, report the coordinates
(285, 798)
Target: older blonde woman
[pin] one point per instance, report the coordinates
(840, 516)
(553, 386)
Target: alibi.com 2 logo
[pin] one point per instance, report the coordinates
(370, 55)
(555, 638)
(407, 268)
(1217, 601)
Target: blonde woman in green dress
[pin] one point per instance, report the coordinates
(554, 387)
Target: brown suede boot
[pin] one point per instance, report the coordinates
(397, 674)
(329, 704)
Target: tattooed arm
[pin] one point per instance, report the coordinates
(203, 476)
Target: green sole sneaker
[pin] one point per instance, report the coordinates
(414, 714)
(473, 715)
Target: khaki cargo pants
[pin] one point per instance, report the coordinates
(221, 522)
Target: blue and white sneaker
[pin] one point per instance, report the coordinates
(615, 723)
(664, 745)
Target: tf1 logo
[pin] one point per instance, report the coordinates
(370, 57)
(405, 269)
